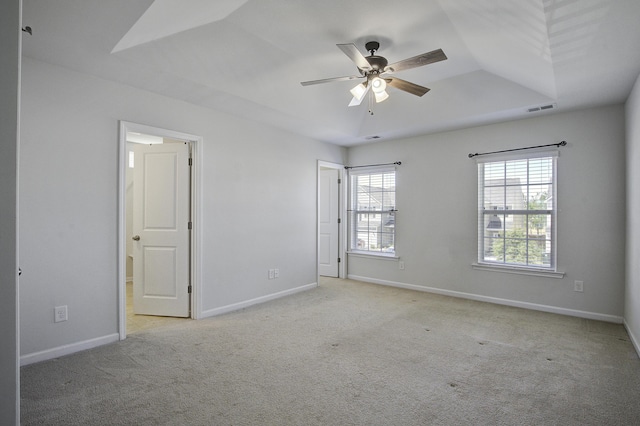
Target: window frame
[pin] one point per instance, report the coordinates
(525, 268)
(353, 211)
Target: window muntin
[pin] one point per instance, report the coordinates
(517, 213)
(372, 211)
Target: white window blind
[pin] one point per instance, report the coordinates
(517, 210)
(372, 210)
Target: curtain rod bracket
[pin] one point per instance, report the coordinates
(559, 144)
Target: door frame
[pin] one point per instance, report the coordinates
(342, 203)
(196, 205)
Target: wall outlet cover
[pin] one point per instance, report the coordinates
(60, 313)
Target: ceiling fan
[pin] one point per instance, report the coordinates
(376, 70)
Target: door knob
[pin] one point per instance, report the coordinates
(136, 238)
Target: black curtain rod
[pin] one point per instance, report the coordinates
(559, 144)
(397, 163)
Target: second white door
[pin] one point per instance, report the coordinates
(329, 227)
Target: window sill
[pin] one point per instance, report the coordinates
(386, 256)
(520, 271)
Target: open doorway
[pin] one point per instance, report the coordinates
(330, 224)
(158, 245)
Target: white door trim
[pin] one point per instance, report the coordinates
(342, 193)
(196, 205)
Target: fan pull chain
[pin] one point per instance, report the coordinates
(370, 95)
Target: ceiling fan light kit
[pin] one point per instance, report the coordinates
(382, 96)
(359, 91)
(379, 89)
(375, 69)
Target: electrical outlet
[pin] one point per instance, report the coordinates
(272, 274)
(578, 286)
(401, 264)
(276, 273)
(60, 313)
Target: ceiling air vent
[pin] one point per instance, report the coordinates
(542, 108)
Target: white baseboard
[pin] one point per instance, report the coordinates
(496, 300)
(262, 299)
(634, 340)
(68, 349)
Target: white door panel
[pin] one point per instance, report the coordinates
(160, 220)
(328, 223)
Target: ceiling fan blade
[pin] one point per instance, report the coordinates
(408, 87)
(329, 80)
(355, 101)
(354, 54)
(417, 61)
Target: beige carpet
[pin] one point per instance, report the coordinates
(349, 353)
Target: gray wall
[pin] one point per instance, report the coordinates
(258, 210)
(632, 294)
(437, 203)
(10, 34)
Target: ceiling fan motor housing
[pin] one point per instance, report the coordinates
(378, 63)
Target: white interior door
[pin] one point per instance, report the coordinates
(328, 223)
(161, 230)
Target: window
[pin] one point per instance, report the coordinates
(517, 212)
(372, 210)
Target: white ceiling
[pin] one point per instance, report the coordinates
(248, 57)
